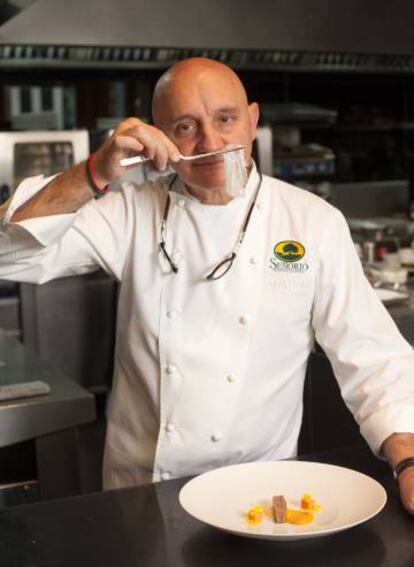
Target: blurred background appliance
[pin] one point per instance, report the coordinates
(24, 154)
(371, 198)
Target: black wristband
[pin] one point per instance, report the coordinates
(402, 465)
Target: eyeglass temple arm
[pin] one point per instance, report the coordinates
(164, 251)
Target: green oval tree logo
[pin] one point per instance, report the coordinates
(289, 251)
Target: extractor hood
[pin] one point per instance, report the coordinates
(348, 35)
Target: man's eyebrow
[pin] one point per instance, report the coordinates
(231, 109)
(182, 117)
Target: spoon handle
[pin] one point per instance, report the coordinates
(133, 160)
(141, 159)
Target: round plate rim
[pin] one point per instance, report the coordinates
(284, 537)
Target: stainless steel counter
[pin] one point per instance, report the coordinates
(50, 420)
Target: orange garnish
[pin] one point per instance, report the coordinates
(308, 503)
(298, 517)
(255, 515)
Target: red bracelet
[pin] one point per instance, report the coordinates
(99, 191)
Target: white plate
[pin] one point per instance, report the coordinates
(221, 497)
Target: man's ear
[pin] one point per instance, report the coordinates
(254, 117)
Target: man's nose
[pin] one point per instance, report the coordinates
(209, 140)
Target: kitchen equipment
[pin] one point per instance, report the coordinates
(25, 154)
(407, 257)
(368, 249)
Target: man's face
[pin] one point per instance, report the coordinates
(203, 112)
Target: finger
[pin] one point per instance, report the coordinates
(126, 124)
(156, 145)
(149, 152)
(152, 142)
(140, 131)
(173, 151)
(134, 127)
(128, 144)
(161, 157)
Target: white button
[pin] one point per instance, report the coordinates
(216, 437)
(253, 260)
(165, 475)
(243, 320)
(172, 313)
(170, 369)
(170, 427)
(181, 203)
(231, 378)
(260, 206)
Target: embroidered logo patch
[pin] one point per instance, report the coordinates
(289, 251)
(287, 255)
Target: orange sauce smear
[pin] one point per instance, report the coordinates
(299, 517)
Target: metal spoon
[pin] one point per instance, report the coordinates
(142, 159)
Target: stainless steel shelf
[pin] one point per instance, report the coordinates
(18, 56)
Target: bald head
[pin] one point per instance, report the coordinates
(189, 73)
(201, 105)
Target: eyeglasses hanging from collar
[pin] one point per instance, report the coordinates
(224, 266)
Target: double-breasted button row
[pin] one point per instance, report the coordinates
(171, 428)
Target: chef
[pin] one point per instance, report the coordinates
(222, 295)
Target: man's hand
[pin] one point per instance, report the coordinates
(132, 137)
(406, 484)
(67, 192)
(397, 447)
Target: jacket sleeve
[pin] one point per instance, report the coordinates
(40, 249)
(373, 363)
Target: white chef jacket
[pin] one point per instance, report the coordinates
(210, 373)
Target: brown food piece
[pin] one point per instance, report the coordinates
(279, 509)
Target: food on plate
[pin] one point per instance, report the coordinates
(255, 515)
(281, 514)
(308, 503)
(279, 509)
(299, 517)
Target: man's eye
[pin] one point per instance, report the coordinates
(185, 128)
(225, 120)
